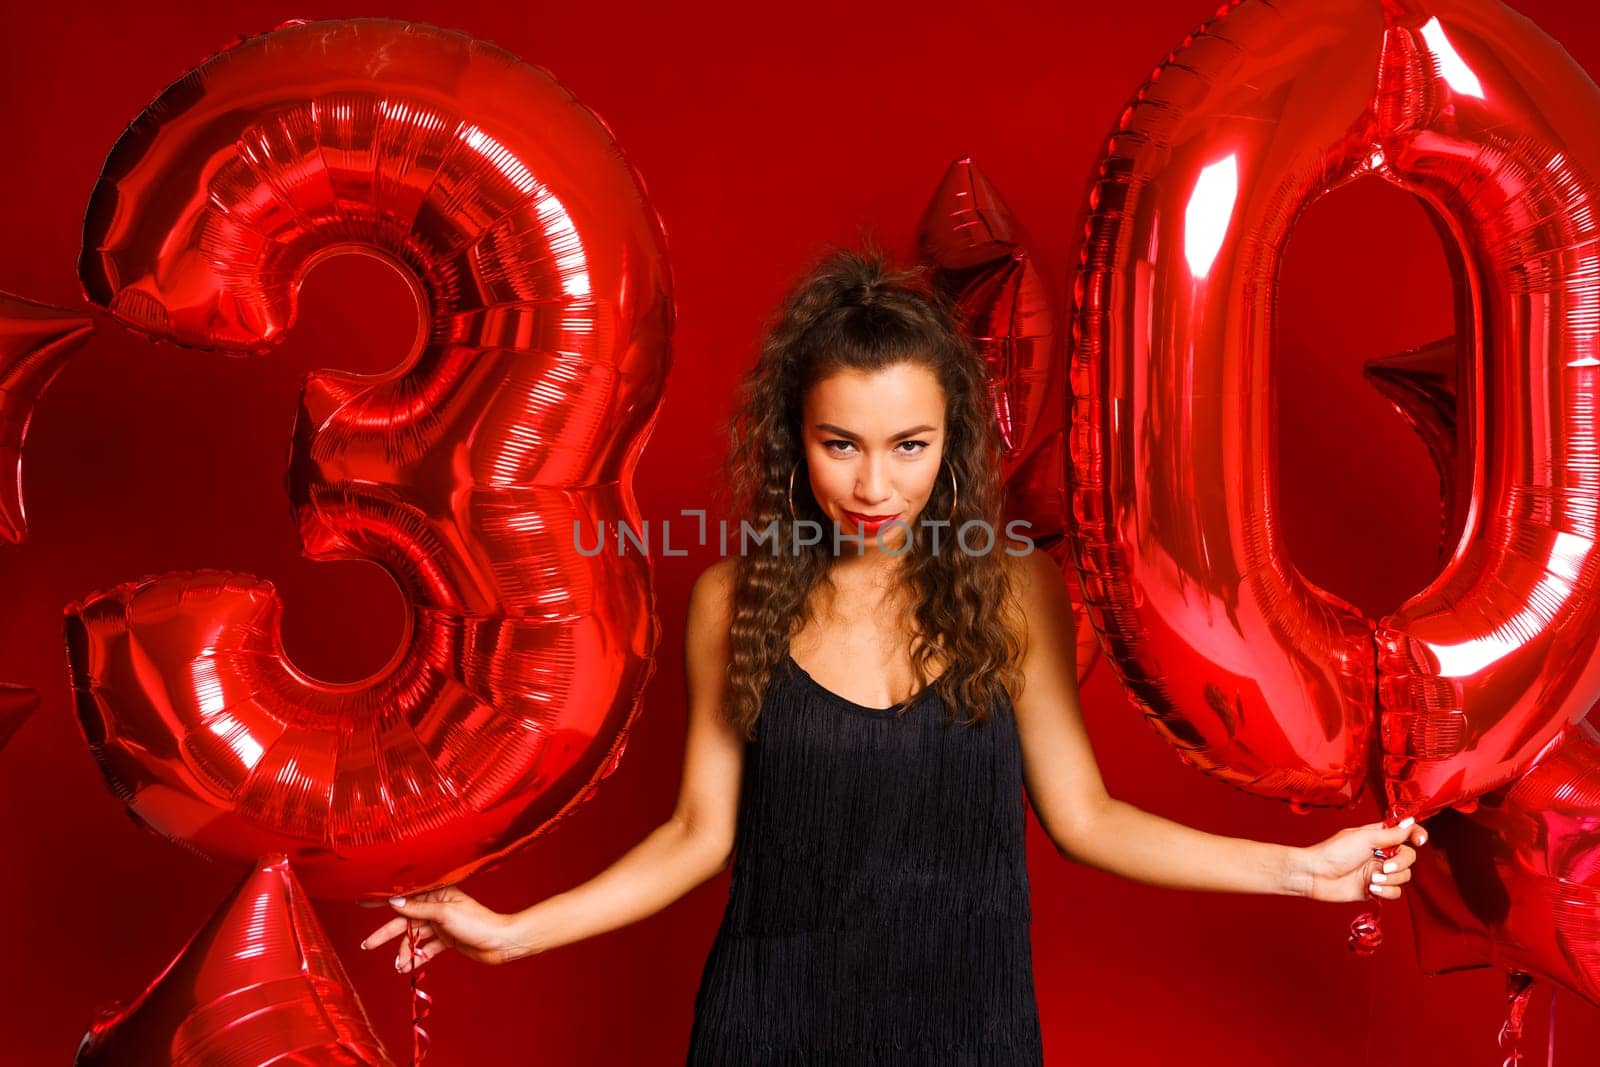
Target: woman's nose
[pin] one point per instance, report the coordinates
(872, 482)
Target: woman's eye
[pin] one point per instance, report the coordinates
(919, 446)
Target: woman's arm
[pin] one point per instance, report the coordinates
(691, 846)
(697, 841)
(1087, 824)
(1145, 847)
(672, 860)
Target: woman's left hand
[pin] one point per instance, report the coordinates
(1346, 867)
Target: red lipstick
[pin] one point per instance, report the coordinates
(870, 522)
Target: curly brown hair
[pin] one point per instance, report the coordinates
(852, 312)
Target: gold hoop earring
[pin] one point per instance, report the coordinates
(954, 493)
(791, 490)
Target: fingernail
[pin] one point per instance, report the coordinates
(1380, 877)
(397, 964)
(398, 902)
(1423, 838)
(1391, 867)
(363, 944)
(1407, 821)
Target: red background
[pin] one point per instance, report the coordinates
(761, 135)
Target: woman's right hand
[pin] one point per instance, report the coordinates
(448, 918)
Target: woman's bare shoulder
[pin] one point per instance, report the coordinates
(712, 593)
(717, 578)
(1036, 583)
(1030, 568)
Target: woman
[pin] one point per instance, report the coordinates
(863, 715)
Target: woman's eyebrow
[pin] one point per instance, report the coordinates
(842, 432)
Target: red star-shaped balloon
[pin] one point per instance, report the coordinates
(259, 983)
(979, 254)
(35, 342)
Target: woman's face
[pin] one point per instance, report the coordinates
(873, 445)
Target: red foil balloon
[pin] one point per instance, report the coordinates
(259, 984)
(1422, 384)
(1508, 162)
(35, 343)
(482, 472)
(1254, 673)
(981, 262)
(979, 253)
(1481, 672)
(1516, 883)
(16, 704)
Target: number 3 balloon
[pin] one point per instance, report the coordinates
(517, 418)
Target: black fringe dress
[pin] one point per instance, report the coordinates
(878, 912)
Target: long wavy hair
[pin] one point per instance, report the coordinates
(852, 311)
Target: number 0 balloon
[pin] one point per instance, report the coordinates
(519, 415)
(1254, 673)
